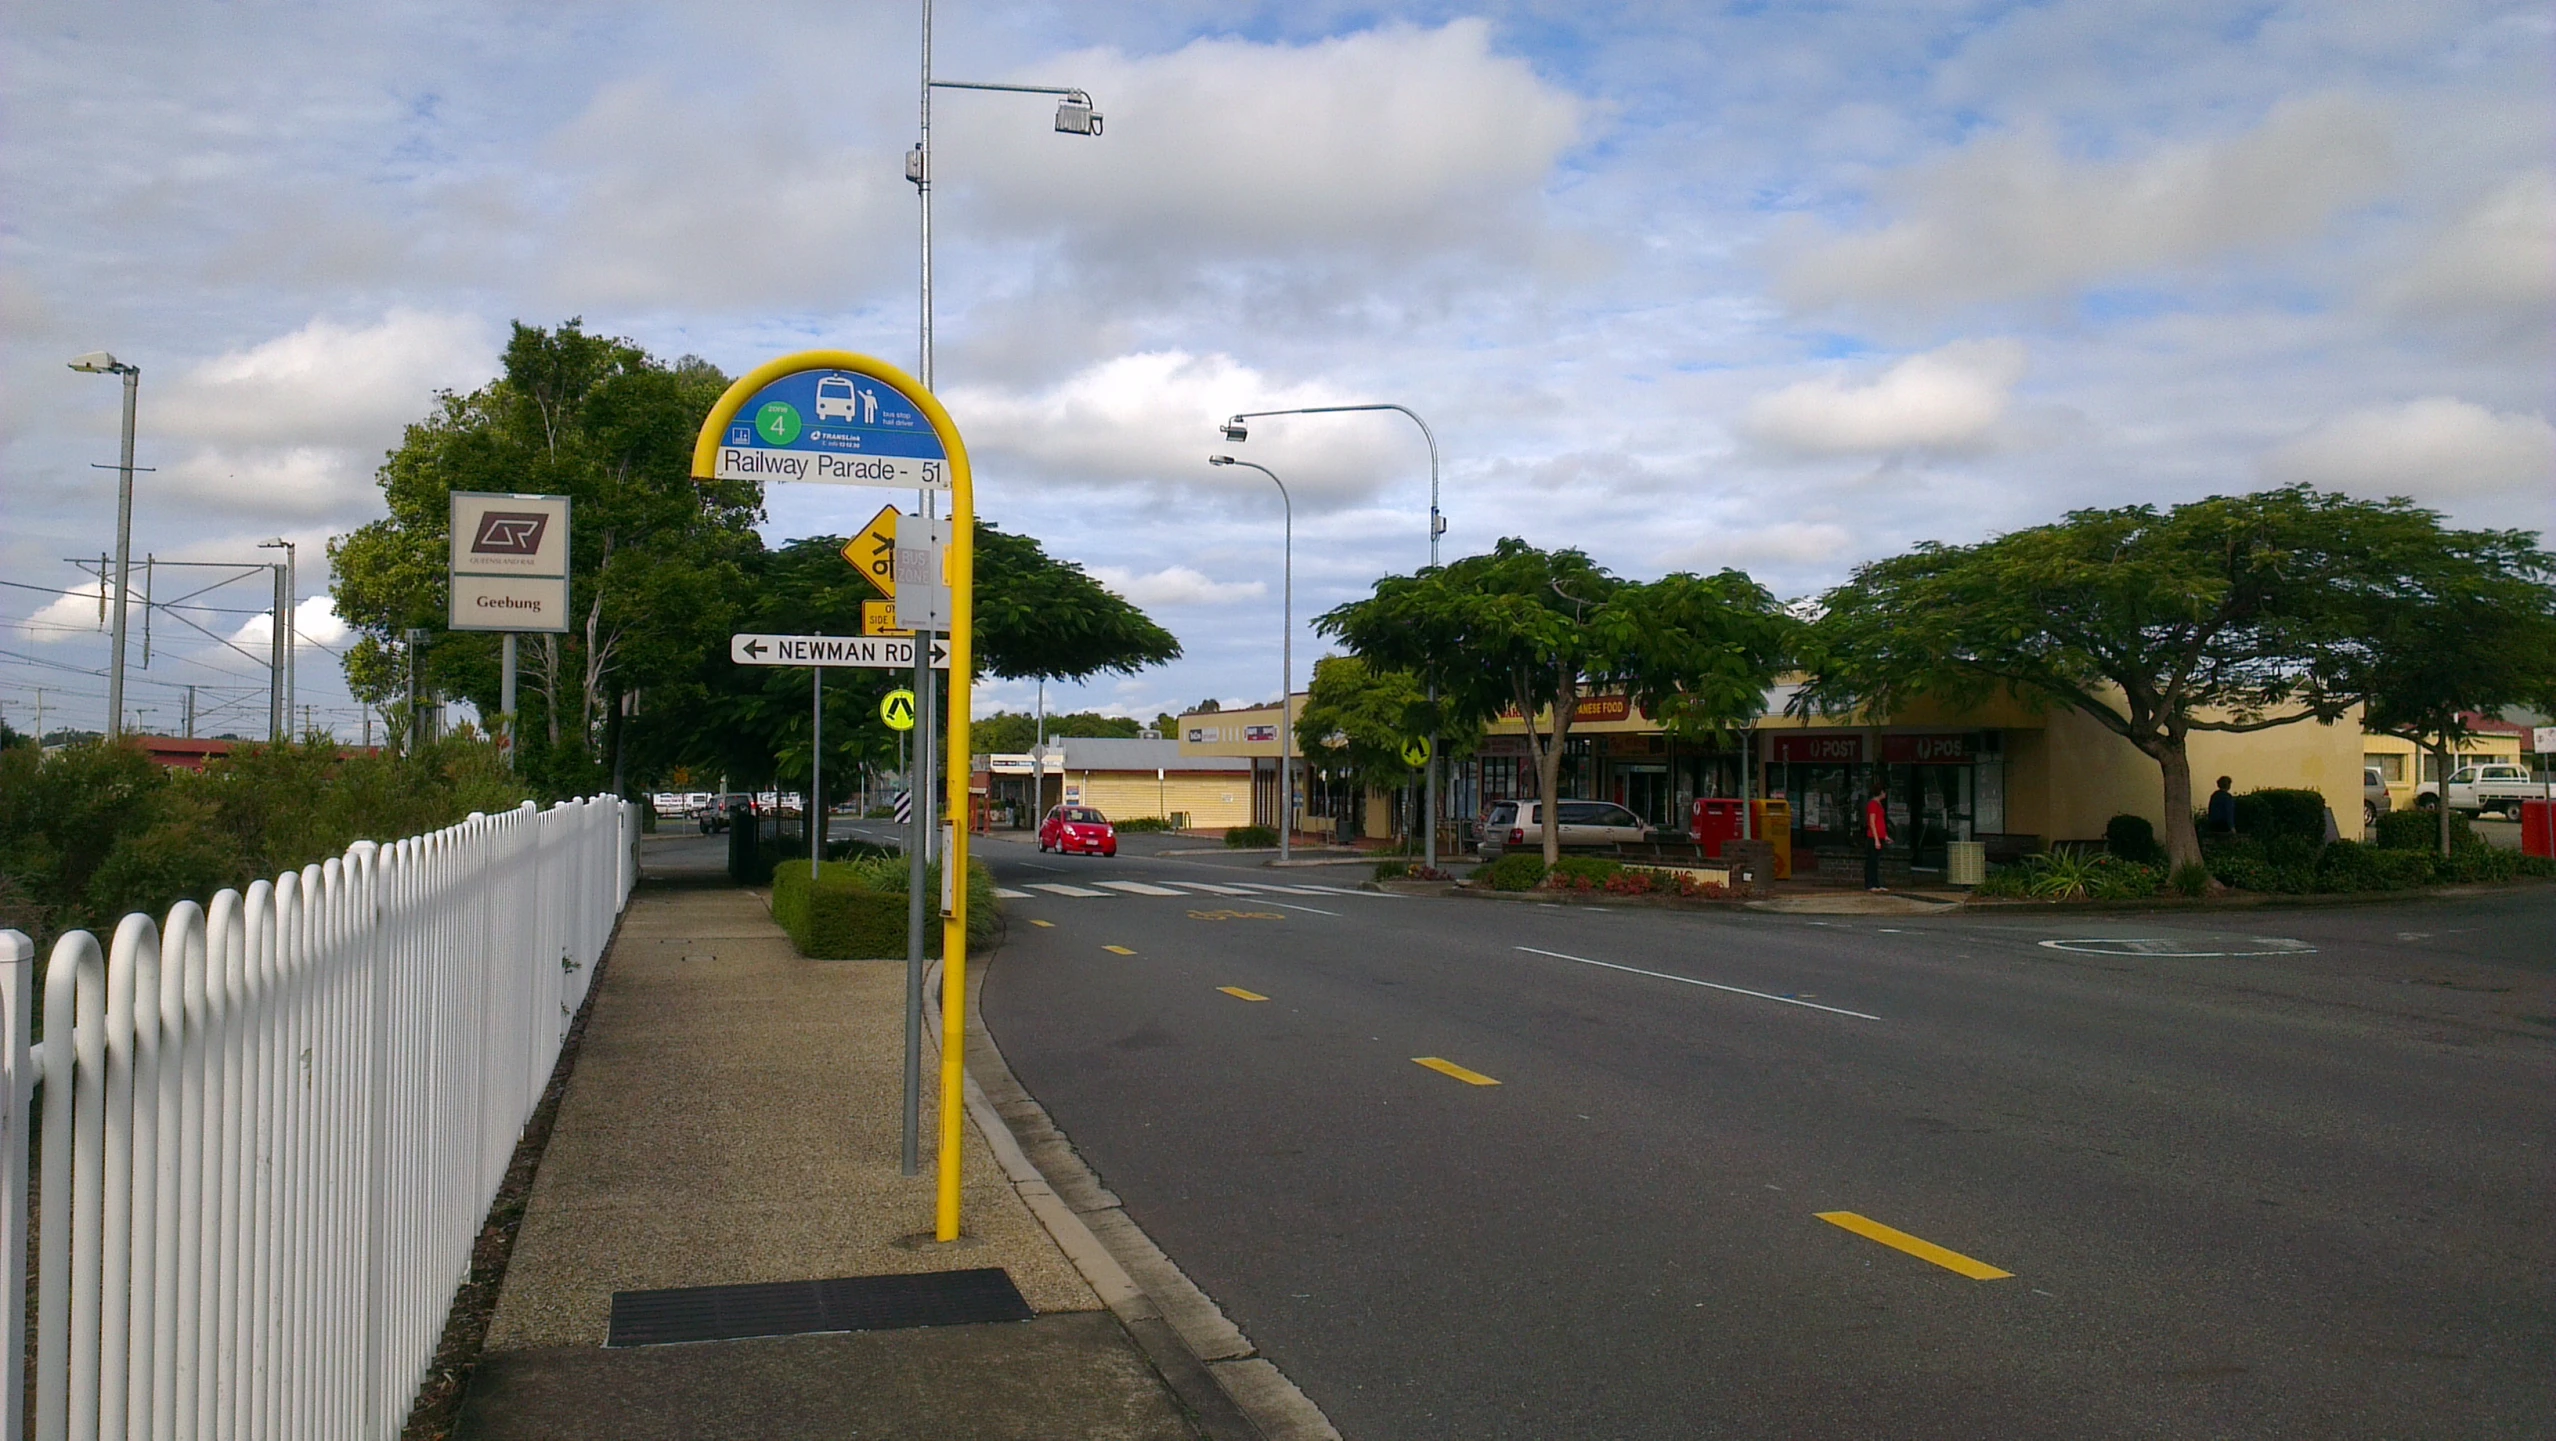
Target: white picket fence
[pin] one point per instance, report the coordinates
(272, 1128)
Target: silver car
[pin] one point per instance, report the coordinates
(1519, 825)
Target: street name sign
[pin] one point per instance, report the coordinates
(832, 427)
(509, 563)
(859, 652)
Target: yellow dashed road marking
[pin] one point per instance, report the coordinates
(1118, 950)
(1239, 994)
(1922, 1250)
(1043, 925)
(1450, 1068)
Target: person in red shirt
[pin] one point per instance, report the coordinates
(1876, 835)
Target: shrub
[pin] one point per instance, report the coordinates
(2290, 850)
(859, 850)
(1515, 871)
(1628, 881)
(2192, 878)
(1251, 837)
(2072, 874)
(2420, 830)
(2006, 883)
(1392, 870)
(1691, 884)
(855, 910)
(2254, 875)
(2132, 839)
(1139, 825)
(2215, 849)
(2268, 814)
(1581, 873)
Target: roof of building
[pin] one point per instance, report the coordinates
(1111, 753)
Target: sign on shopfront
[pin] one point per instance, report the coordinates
(1957, 749)
(1819, 749)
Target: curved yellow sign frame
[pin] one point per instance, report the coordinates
(962, 578)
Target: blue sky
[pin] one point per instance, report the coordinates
(1786, 287)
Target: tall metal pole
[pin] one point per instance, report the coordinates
(918, 776)
(1286, 659)
(123, 553)
(279, 721)
(292, 629)
(505, 694)
(816, 770)
(1437, 527)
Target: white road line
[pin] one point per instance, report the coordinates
(1709, 985)
(1059, 888)
(1292, 906)
(1345, 891)
(1211, 889)
(1280, 890)
(1006, 893)
(1138, 888)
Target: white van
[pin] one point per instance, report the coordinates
(1519, 825)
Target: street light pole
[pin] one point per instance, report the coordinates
(287, 630)
(1074, 117)
(1286, 659)
(1237, 432)
(98, 362)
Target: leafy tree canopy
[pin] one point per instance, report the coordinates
(2234, 613)
(1013, 732)
(1531, 631)
(1357, 719)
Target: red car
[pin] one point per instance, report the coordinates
(1068, 829)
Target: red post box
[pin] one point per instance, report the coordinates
(1715, 819)
(2538, 828)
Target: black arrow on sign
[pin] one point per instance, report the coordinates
(756, 647)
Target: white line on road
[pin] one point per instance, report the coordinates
(1709, 985)
(1345, 891)
(1213, 890)
(1138, 888)
(1291, 906)
(1006, 893)
(1280, 890)
(1059, 888)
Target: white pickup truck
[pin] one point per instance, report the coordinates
(2480, 788)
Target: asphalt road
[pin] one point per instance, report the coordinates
(2282, 1173)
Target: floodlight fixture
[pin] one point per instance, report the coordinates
(99, 362)
(1075, 115)
(1236, 431)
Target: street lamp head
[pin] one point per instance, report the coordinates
(1075, 116)
(1220, 460)
(1237, 432)
(99, 362)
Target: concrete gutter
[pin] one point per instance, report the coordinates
(1236, 1394)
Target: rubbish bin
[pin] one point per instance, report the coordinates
(1965, 862)
(1771, 821)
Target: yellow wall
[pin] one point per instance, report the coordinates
(2067, 782)
(1215, 798)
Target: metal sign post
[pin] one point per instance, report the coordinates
(834, 417)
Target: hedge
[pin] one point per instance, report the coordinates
(1251, 837)
(855, 910)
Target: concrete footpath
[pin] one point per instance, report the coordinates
(734, 1118)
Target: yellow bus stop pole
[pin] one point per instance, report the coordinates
(958, 764)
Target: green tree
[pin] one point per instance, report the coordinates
(2467, 628)
(2231, 614)
(1357, 719)
(1012, 732)
(655, 555)
(1531, 632)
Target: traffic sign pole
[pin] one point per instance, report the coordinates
(835, 417)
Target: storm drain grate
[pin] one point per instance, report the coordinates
(793, 1308)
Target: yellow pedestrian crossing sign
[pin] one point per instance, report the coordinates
(897, 709)
(872, 552)
(1415, 752)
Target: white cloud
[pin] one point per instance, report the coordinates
(2009, 216)
(2437, 447)
(1152, 417)
(1176, 585)
(1790, 543)
(1944, 400)
(2500, 255)
(315, 620)
(327, 384)
(299, 481)
(1396, 139)
(73, 613)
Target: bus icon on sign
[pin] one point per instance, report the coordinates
(837, 400)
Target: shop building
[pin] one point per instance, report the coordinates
(2405, 765)
(1123, 779)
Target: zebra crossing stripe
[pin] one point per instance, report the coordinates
(1211, 888)
(1058, 888)
(1138, 888)
(1006, 893)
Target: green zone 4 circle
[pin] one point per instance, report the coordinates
(897, 709)
(777, 421)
